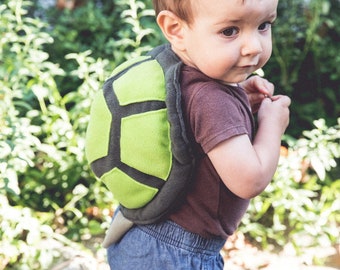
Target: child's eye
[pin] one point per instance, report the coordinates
(231, 31)
(265, 26)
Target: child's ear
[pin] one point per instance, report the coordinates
(172, 28)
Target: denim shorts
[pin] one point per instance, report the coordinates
(165, 246)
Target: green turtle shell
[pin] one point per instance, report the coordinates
(136, 141)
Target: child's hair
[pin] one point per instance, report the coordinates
(182, 8)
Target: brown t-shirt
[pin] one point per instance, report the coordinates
(214, 112)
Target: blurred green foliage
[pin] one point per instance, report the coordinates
(53, 61)
(305, 62)
(301, 204)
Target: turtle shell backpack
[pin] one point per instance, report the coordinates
(136, 142)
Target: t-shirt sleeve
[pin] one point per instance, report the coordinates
(215, 116)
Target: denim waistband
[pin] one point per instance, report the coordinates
(173, 234)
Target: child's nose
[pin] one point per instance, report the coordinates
(251, 46)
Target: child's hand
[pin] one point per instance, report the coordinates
(257, 89)
(274, 113)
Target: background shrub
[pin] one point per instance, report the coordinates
(300, 206)
(305, 62)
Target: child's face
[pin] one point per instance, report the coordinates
(229, 39)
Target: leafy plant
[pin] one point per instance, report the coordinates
(305, 60)
(302, 201)
(22, 239)
(42, 136)
(26, 78)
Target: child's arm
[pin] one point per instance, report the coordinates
(246, 168)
